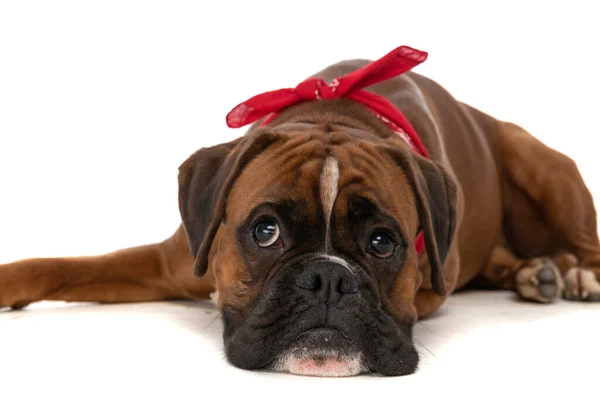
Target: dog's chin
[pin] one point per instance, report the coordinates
(317, 363)
(321, 352)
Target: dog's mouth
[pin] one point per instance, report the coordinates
(321, 352)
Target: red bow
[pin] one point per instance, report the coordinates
(396, 62)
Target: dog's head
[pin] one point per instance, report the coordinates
(310, 237)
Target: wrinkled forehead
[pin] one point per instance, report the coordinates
(285, 170)
(313, 170)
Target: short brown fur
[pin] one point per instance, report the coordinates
(518, 200)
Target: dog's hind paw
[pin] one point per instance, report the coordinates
(581, 284)
(539, 281)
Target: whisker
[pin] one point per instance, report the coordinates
(424, 347)
(425, 326)
(213, 320)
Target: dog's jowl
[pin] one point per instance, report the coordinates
(355, 203)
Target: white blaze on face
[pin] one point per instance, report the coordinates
(330, 176)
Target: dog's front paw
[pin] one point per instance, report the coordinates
(12, 291)
(10, 303)
(581, 284)
(540, 281)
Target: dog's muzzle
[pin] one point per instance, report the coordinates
(324, 351)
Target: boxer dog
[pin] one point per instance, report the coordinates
(342, 216)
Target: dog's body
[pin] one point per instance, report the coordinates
(504, 210)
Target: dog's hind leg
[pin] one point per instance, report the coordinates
(549, 218)
(145, 273)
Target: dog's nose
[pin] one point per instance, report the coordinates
(327, 281)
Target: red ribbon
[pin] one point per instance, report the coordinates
(396, 62)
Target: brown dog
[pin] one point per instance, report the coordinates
(306, 229)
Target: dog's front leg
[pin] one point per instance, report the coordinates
(145, 273)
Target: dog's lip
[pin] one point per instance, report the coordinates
(325, 332)
(324, 341)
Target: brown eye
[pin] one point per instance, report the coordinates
(266, 233)
(381, 245)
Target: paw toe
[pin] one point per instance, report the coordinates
(581, 284)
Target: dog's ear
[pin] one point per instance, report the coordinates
(205, 180)
(436, 195)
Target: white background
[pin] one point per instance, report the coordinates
(101, 101)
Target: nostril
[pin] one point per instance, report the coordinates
(347, 285)
(308, 280)
(318, 283)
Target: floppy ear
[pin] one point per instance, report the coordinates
(205, 180)
(436, 195)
